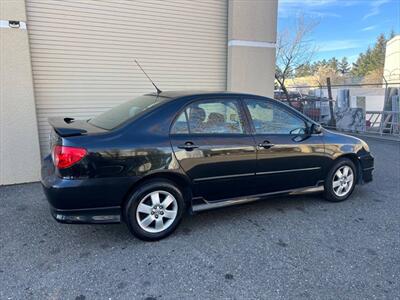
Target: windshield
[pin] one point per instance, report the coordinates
(123, 112)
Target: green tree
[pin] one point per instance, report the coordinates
(372, 60)
(304, 70)
(333, 64)
(343, 66)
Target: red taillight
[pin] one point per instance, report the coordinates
(65, 157)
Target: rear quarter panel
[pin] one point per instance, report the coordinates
(116, 160)
(135, 150)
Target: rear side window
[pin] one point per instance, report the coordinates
(210, 117)
(180, 126)
(119, 114)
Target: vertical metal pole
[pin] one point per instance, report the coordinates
(332, 121)
(385, 107)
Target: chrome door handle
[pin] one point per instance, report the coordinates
(188, 146)
(266, 145)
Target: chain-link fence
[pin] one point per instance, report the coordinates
(359, 108)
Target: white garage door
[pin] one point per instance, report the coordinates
(83, 52)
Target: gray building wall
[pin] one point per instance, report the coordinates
(251, 46)
(19, 143)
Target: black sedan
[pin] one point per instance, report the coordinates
(147, 161)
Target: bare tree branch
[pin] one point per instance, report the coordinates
(294, 48)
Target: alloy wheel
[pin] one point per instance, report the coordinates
(156, 211)
(343, 181)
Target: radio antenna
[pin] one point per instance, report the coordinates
(157, 89)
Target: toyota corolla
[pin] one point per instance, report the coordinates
(148, 161)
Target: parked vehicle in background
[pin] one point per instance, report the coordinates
(295, 98)
(147, 161)
(280, 95)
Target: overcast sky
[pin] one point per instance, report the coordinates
(346, 27)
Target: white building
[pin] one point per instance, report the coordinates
(392, 61)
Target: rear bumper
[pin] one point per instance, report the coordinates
(88, 215)
(71, 194)
(367, 167)
(89, 200)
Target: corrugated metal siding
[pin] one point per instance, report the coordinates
(83, 51)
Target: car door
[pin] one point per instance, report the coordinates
(213, 145)
(288, 157)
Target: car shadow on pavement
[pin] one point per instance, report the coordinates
(35, 217)
(269, 209)
(105, 236)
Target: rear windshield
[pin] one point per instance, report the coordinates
(119, 114)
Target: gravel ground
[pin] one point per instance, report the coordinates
(284, 248)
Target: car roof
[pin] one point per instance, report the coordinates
(186, 93)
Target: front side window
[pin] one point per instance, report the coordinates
(210, 117)
(270, 118)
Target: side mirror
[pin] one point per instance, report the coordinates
(316, 129)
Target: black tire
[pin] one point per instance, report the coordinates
(130, 208)
(329, 192)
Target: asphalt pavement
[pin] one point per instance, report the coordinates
(298, 247)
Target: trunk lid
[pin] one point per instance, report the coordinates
(66, 127)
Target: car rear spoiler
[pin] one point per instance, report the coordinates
(66, 126)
